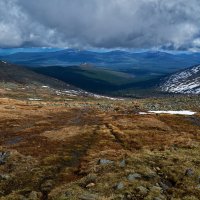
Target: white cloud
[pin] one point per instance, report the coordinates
(101, 23)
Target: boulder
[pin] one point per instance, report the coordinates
(122, 163)
(142, 190)
(3, 157)
(189, 172)
(119, 186)
(132, 177)
(105, 162)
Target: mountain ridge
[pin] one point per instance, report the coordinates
(157, 61)
(20, 75)
(183, 82)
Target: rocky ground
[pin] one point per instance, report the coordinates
(67, 147)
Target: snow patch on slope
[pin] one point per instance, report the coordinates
(3, 62)
(79, 92)
(172, 112)
(185, 82)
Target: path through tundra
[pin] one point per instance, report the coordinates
(57, 152)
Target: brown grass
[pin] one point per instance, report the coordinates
(51, 143)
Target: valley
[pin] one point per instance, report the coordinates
(100, 80)
(115, 73)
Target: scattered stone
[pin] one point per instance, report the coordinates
(164, 186)
(119, 186)
(128, 197)
(142, 190)
(3, 157)
(105, 162)
(189, 172)
(132, 177)
(4, 177)
(161, 197)
(156, 188)
(122, 163)
(90, 185)
(88, 197)
(35, 195)
(157, 169)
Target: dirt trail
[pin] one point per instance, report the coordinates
(74, 149)
(68, 153)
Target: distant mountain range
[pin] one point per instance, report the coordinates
(114, 72)
(155, 61)
(183, 82)
(101, 80)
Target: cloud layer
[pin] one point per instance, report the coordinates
(169, 24)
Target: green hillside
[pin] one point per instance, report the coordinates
(98, 79)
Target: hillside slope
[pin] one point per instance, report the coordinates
(20, 75)
(183, 82)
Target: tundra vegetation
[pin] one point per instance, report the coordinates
(57, 146)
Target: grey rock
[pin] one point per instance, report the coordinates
(142, 190)
(90, 185)
(132, 177)
(128, 197)
(164, 186)
(3, 157)
(119, 186)
(4, 177)
(122, 163)
(88, 197)
(156, 188)
(105, 162)
(189, 172)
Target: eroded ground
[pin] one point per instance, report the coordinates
(62, 148)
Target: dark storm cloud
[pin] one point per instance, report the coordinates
(170, 24)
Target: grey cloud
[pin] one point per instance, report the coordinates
(173, 24)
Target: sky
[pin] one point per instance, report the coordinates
(109, 24)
